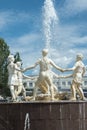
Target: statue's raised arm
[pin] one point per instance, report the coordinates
(55, 66)
(30, 67)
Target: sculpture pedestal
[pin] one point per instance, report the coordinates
(62, 115)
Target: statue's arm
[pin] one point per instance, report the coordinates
(31, 67)
(17, 68)
(73, 68)
(66, 76)
(25, 76)
(55, 66)
(70, 69)
(84, 70)
(28, 77)
(28, 68)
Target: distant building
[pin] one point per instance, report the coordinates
(61, 83)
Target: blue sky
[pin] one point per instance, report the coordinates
(21, 27)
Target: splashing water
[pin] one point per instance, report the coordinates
(27, 122)
(49, 19)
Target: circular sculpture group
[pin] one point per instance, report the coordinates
(44, 81)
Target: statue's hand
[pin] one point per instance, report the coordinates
(63, 70)
(22, 70)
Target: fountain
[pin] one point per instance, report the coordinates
(44, 111)
(49, 20)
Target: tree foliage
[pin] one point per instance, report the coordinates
(4, 52)
(17, 57)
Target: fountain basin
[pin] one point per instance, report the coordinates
(61, 115)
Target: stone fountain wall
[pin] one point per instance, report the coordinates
(63, 115)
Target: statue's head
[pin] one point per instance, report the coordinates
(79, 56)
(18, 63)
(11, 58)
(44, 52)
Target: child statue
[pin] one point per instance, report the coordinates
(20, 75)
(12, 79)
(45, 74)
(78, 73)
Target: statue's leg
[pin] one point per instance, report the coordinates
(80, 91)
(23, 91)
(52, 92)
(34, 92)
(12, 92)
(45, 87)
(19, 89)
(73, 91)
(48, 89)
(35, 89)
(51, 87)
(55, 88)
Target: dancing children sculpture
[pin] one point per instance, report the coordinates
(45, 79)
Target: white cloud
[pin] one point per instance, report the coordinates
(10, 17)
(77, 5)
(73, 7)
(24, 40)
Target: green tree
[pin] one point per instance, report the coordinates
(4, 52)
